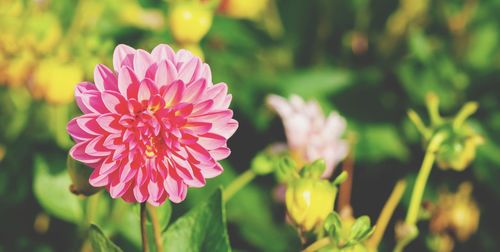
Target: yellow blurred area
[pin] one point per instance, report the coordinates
(47, 52)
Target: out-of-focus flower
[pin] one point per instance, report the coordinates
(243, 8)
(456, 212)
(18, 69)
(42, 32)
(153, 127)
(458, 149)
(131, 12)
(55, 81)
(190, 22)
(310, 135)
(309, 201)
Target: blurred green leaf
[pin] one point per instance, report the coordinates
(316, 82)
(483, 43)
(203, 228)
(378, 142)
(52, 189)
(99, 241)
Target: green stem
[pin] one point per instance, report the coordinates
(315, 246)
(156, 228)
(418, 190)
(238, 183)
(144, 231)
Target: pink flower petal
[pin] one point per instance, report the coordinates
(142, 62)
(163, 52)
(105, 79)
(123, 56)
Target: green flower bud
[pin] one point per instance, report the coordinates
(458, 148)
(314, 170)
(79, 174)
(286, 169)
(263, 163)
(309, 201)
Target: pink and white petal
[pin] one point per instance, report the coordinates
(225, 129)
(202, 107)
(88, 123)
(213, 171)
(211, 141)
(189, 70)
(93, 101)
(172, 93)
(195, 90)
(163, 52)
(114, 102)
(96, 148)
(182, 57)
(97, 180)
(165, 74)
(142, 62)
(104, 78)
(147, 89)
(76, 132)
(206, 74)
(129, 196)
(217, 93)
(220, 153)
(117, 188)
(123, 56)
(127, 82)
(80, 89)
(199, 128)
(175, 188)
(141, 192)
(109, 123)
(77, 152)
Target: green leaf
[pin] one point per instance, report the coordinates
(203, 228)
(333, 226)
(316, 82)
(99, 241)
(361, 229)
(51, 188)
(380, 141)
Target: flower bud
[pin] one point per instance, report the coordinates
(79, 174)
(309, 201)
(456, 212)
(189, 22)
(458, 151)
(458, 147)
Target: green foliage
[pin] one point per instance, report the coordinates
(51, 188)
(203, 228)
(99, 241)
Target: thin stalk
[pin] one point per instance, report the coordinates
(238, 183)
(144, 231)
(346, 187)
(156, 227)
(315, 246)
(386, 214)
(418, 190)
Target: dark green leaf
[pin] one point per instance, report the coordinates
(203, 228)
(51, 188)
(99, 241)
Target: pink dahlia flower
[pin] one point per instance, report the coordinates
(309, 134)
(154, 126)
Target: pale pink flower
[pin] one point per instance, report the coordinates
(309, 134)
(154, 126)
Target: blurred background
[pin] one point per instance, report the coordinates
(368, 60)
